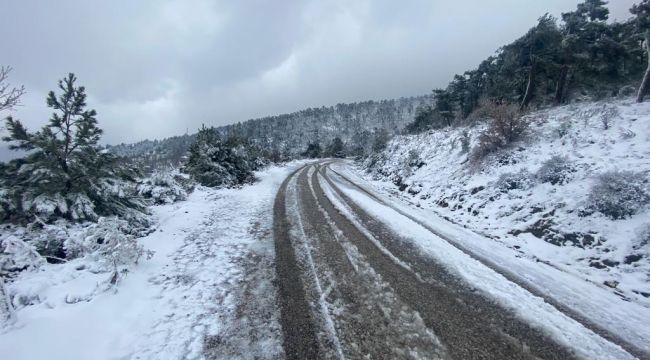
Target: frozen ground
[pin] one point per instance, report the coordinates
(206, 293)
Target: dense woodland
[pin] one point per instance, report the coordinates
(287, 136)
(579, 57)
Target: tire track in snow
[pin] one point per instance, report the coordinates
(299, 334)
(608, 335)
(371, 320)
(467, 324)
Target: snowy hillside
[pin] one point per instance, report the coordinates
(290, 133)
(574, 194)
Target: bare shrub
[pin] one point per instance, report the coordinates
(465, 141)
(608, 113)
(556, 170)
(618, 194)
(522, 180)
(9, 96)
(642, 241)
(564, 128)
(507, 125)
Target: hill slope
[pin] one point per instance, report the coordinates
(560, 197)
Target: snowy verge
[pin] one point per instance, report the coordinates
(175, 305)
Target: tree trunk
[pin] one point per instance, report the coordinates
(646, 78)
(561, 85)
(530, 88)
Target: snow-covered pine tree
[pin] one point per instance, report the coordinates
(214, 162)
(65, 174)
(313, 150)
(336, 148)
(642, 13)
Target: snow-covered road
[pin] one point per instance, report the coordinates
(362, 276)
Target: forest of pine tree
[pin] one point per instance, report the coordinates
(581, 56)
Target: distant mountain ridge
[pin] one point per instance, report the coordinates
(290, 133)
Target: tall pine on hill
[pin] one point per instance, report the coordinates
(642, 12)
(65, 174)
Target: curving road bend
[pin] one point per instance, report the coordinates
(351, 287)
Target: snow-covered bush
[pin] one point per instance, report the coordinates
(17, 255)
(608, 113)
(556, 170)
(107, 243)
(215, 162)
(618, 194)
(642, 241)
(163, 188)
(465, 142)
(47, 239)
(564, 128)
(521, 180)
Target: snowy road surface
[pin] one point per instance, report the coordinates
(361, 278)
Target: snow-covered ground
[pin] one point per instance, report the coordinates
(595, 264)
(206, 291)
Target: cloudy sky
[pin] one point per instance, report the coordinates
(156, 68)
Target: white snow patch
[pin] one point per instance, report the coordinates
(163, 308)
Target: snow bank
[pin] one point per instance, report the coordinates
(171, 306)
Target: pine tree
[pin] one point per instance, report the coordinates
(444, 105)
(214, 162)
(336, 148)
(64, 144)
(65, 173)
(642, 13)
(313, 150)
(380, 141)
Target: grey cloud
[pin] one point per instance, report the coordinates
(156, 68)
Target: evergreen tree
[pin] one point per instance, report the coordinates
(380, 141)
(424, 120)
(65, 172)
(214, 162)
(68, 143)
(336, 148)
(313, 150)
(642, 17)
(444, 105)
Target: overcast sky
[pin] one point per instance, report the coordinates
(155, 68)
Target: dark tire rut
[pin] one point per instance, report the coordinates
(384, 301)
